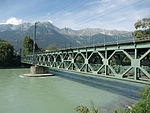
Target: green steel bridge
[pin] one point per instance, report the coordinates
(126, 61)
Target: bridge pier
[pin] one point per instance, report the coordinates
(38, 70)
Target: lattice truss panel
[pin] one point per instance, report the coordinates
(119, 63)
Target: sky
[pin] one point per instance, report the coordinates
(76, 14)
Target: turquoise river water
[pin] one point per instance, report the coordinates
(51, 94)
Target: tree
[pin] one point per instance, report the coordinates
(28, 46)
(6, 53)
(142, 31)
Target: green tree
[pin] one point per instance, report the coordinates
(6, 53)
(28, 46)
(142, 31)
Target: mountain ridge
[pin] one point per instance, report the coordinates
(47, 33)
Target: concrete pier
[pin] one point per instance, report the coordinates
(38, 70)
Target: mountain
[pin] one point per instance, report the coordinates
(47, 34)
(97, 36)
(92, 31)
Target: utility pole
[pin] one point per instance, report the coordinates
(117, 40)
(34, 42)
(104, 41)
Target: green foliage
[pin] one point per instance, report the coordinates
(79, 59)
(142, 31)
(138, 33)
(138, 24)
(126, 110)
(142, 106)
(6, 53)
(28, 46)
(84, 109)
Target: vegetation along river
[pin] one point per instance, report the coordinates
(60, 93)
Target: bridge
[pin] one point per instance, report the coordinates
(126, 61)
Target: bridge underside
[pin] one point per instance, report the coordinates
(125, 61)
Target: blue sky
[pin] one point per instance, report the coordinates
(76, 14)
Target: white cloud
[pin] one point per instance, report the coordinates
(108, 14)
(95, 2)
(13, 21)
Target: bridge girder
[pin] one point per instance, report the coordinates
(67, 59)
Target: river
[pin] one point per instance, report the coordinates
(54, 94)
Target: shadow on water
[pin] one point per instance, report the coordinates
(116, 87)
(15, 67)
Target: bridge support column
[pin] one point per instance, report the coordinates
(38, 70)
(135, 66)
(105, 61)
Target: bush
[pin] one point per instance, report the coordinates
(84, 109)
(142, 106)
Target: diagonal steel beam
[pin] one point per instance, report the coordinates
(127, 54)
(145, 72)
(82, 67)
(111, 68)
(111, 55)
(127, 71)
(100, 68)
(89, 65)
(145, 54)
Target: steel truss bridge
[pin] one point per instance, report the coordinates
(127, 61)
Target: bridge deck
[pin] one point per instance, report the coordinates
(132, 44)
